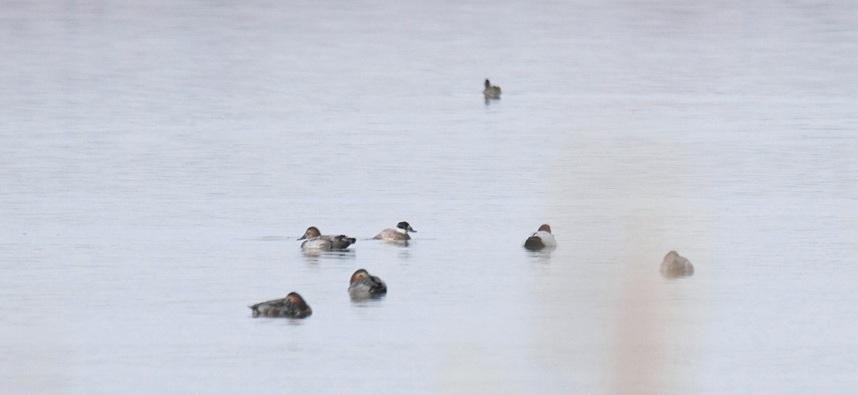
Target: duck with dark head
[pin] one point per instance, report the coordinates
(541, 239)
(491, 91)
(400, 233)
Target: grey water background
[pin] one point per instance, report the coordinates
(158, 159)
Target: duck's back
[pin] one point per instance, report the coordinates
(368, 287)
(319, 243)
(675, 265)
(392, 234)
(271, 308)
(341, 241)
(539, 240)
(492, 91)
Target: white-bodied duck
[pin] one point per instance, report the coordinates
(400, 233)
(315, 240)
(540, 239)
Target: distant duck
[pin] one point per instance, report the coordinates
(400, 233)
(540, 239)
(364, 285)
(315, 240)
(675, 265)
(292, 306)
(491, 91)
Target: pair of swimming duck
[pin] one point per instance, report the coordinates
(362, 285)
(672, 266)
(315, 240)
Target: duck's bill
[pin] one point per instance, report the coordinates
(410, 229)
(302, 237)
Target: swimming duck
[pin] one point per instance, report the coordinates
(540, 239)
(292, 306)
(313, 239)
(398, 234)
(491, 91)
(364, 285)
(675, 265)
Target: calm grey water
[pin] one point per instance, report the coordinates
(158, 159)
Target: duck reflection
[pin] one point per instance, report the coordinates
(314, 256)
(542, 256)
(404, 253)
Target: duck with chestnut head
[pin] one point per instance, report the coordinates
(292, 306)
(315, 240)
(364, 285)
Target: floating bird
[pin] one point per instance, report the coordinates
(314, 240)
(540, 239)
(491, 91)
(292, 306)
(400, 233)
(364, 285)
(675, 265)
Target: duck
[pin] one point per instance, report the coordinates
(674, 265)
(292, 306)
(491, 91)
(400, 233)
(364, 285)
(315, 240)
(540, 239)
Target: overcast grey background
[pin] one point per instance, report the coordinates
(158, 159)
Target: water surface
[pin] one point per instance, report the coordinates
(158, 160)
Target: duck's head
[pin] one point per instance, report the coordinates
(359, 275)
(671, 255)
(311, 233)
(405, 227)
(296, 302)
(544, 228)
(488, 84)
